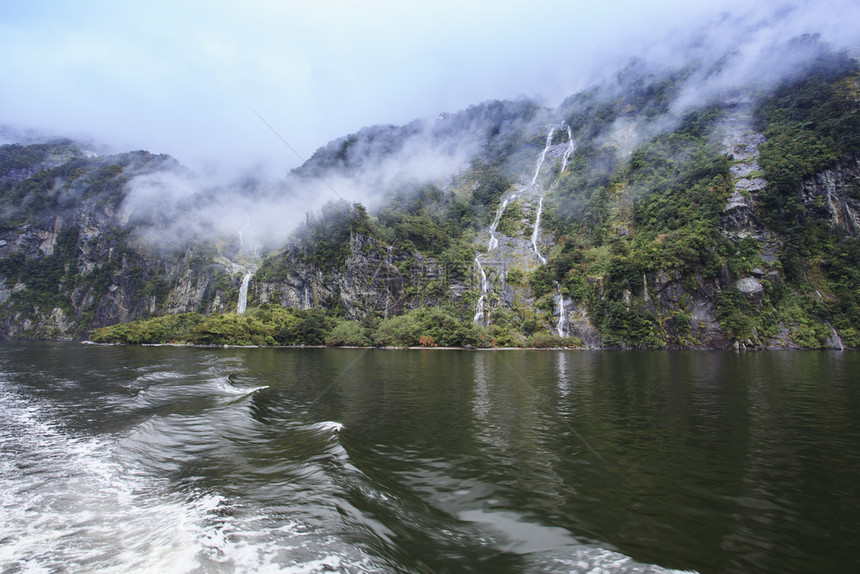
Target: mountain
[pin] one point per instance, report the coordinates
(662, 209)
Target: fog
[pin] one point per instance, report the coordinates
(184, 78)
(179, 205)
(242, 93)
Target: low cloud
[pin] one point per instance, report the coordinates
(180, 79)
(172, 207)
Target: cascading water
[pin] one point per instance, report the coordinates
(536, 231)
(836, 340)
(307, 299)
(485, 288)
(562, 319)
(571, 146)
(543, 155)
(243, 293)
(388, 266)
(494, 242)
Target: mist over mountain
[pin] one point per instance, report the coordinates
(188, 80)
(706, 198)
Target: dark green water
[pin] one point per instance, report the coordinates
(130, 459)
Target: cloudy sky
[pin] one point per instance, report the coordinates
(186, 78)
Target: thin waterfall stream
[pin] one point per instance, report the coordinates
(243, 293)
(571, 147)
(480, 314)
(493, 243)
(536, 231)
(562, 318)
(388, 265)
(836, 340)
(543, 155)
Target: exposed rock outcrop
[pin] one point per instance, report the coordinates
(375, 280)
(837, 191)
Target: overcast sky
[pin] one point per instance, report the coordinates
(185, 77)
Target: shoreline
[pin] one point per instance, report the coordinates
(418, 348)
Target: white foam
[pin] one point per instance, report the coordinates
(554, 549)
(68, 503)
(332, 426)
(72, 503)
(228, 388)
(602, 561)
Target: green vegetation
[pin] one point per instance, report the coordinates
(272, 325)
(640, 239)
(658, 213)
(811, 124)
(622, 224)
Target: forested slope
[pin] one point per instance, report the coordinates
(630, 216)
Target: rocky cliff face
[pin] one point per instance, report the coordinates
(70, 270)
(375, 280)
(69, 263)
(608, 219)
(837, 191)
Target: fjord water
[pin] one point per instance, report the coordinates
(129, 459)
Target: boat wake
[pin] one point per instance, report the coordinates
(80, 503)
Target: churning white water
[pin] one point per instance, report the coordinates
(74, 502)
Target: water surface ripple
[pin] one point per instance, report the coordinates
(160, 459)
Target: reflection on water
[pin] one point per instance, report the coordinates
(311, 460)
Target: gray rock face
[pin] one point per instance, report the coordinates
(104, 280)
(105, 277)
(674, 303)
(579, 324)
(73, 265)
(837, 191)
(374, 280)
(749, 285)
(742, 145)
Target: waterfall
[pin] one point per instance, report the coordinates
(561, 313)
(494, 242)
(388, 251)
(571, 146)
(543, 155)
(243, 293)
(485, 288)
(307, 300)
(835, 341)
(537, 230)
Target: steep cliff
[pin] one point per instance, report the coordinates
(69, 259)
(620, 219)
